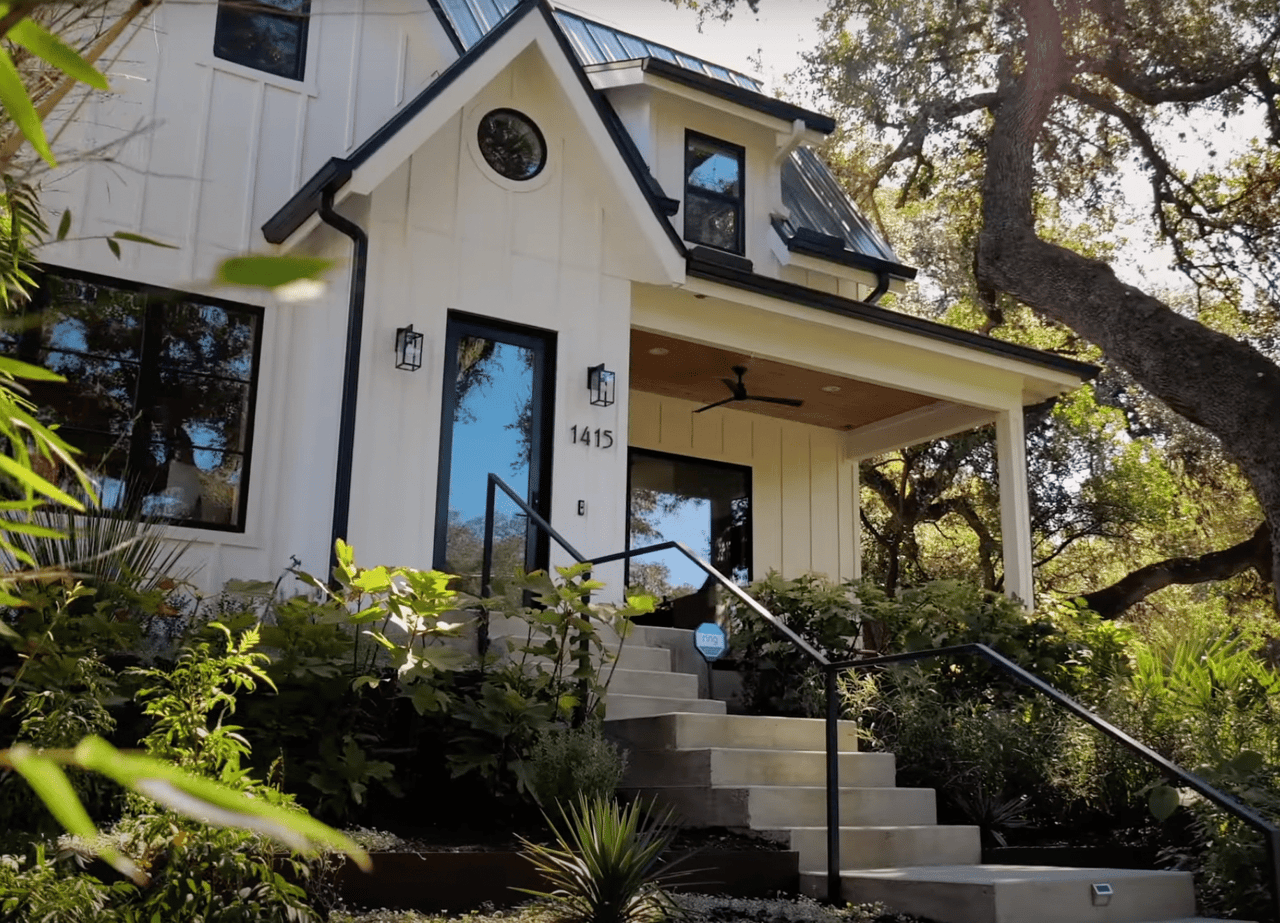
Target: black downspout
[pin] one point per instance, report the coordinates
(351, 371)
(882, 286)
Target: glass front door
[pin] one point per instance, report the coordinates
(496, 419)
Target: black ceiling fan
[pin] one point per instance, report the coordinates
(739, 391)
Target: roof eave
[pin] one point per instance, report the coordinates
(873, 314)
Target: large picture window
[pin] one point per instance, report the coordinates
(159, 393)
(713, 192)
(706, 505)
(267, 35)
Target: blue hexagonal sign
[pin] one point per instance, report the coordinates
(709, 639)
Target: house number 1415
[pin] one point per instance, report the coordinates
(584, 434)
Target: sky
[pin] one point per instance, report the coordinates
(766, 46)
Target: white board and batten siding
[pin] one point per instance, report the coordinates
(804, 515)
(447, 233)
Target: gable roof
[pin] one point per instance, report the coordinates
(337, 172)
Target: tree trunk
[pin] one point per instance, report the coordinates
(1224, 385)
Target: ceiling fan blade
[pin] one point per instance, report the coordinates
(789, 401)
(727, 400)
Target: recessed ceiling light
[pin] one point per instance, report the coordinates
(659, 351)
(831, 389)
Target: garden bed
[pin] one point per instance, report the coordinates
(465, 880)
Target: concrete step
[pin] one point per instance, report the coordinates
(773, 807)
(695, 732)
(1017, 893)
(877, 847)
(631, 657)
(735, 767)
(653, 683)
(619, 706)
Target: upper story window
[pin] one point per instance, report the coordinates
(713, 192)
(267, 35)
(159, 393)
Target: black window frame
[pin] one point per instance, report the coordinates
(543, 342)
(745, 470)
(738, 202)
(154, 298)
(230, 11)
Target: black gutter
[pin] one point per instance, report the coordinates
(860, 310)
(809, 242)
(351, 370)
(733, 93)
(306, 201)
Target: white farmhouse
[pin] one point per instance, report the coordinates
(557, 243)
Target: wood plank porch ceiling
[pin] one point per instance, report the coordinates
(692, 371)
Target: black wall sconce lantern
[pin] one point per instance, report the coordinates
(600, 384)
(408, 349)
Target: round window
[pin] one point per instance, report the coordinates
(512, 144)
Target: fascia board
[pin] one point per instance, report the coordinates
(914, 427)
(837, 270)
(672, 259)
(690, 94)
(1038, 382)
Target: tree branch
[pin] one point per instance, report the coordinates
(1254, 552)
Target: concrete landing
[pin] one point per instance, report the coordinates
(1017, 893)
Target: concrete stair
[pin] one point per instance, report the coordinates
(768, 775)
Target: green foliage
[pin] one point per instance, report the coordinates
(778, 678)
(605, 864)
(190, 702)
(568, 764)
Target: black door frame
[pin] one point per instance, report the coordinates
(543, 344)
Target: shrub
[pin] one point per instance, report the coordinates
(570, 764)
(777, 677)
(605, 864)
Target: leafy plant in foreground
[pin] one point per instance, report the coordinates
(605, 865)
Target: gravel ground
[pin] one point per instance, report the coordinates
(702, 908)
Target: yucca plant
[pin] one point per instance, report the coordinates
(605, 865)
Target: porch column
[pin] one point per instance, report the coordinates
(855, 488)
(1015, 506)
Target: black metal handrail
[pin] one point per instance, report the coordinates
(831, 669)
(1270, 832)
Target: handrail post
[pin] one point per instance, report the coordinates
(486, 566)
(1273, 855)
(833, 787)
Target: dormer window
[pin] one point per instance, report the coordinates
(713, 192)
(267, 35)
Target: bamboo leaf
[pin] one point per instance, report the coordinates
(212, 802)
(270, 271)
(35, 482)
(140, 239)
(52, 786)
(44, 44)
(17, 103)
(64, 225)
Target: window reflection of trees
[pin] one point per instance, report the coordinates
(481, 364)
(267, 35)
(159, 392)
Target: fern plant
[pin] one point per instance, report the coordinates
(606, 863)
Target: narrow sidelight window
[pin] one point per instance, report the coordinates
(267, 35)
(497, 413)
(713, 192)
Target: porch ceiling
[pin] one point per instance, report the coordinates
(692, 371)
